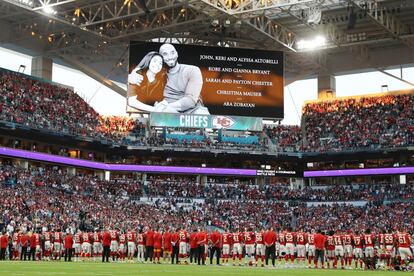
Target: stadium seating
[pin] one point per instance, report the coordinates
(285, 137)
(367, 123)
(360, 123)
(187, 187)
(34, 103)
(54, 198)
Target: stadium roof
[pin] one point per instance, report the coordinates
(93, 35)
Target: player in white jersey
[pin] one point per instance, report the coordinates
(77, 241)
(97, 244)
(311, 248)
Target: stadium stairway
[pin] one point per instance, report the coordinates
(303, 129)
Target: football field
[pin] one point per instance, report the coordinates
(90, 268)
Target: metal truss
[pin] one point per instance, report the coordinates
(389, 22)
(260, 27)
(196, 41)
(358, 51)
(174, 18)
(115, 10)
(273, 30)
(40, 4)
(7, 10)
(238, 7)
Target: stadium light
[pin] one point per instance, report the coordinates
(48, 9)
(311, 44)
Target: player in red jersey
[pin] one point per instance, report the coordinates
(157, 246)
(141, 246)
(237, 239)
(149, 244)
(193, 246)
(122, 246)
(290, 238)
(202, 242)
(57, 244)
(226, 241)
(348, 252)
(114, 244)
(215, 246)
(175, 242)
(369, 240)
(281, 246)
(183, 239)
(97, 244)
(167, 245)
(389, 247)
(403, 240)
(34, 253)
(38, 251)
(301, 240)
(339, 249)
(260, 247)
(131, 245)
(311, 247)
(358, 252)
(48, 245)
(77, 242)
(86, 245)
(249, 240)
(330, 246)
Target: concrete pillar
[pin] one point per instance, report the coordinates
(144, 177)
(311, 181)
(42, 67)
(202, 179)
(326, 86)
(107, 175)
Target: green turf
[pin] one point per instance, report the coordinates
(90, 268)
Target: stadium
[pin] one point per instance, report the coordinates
(234, 137)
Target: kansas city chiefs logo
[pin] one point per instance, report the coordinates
(223, 122)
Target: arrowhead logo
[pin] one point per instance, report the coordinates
(223, 122)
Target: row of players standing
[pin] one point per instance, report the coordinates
(179, 244)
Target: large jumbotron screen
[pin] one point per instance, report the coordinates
(202, 80)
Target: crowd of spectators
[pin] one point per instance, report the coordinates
(340, 216)
(285, 137)
(56, 199)
(360, 123)
(188, 187)
(337, 125)
(42, 105)
(122, 128)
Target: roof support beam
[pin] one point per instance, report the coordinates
(389, 22)
(93, 74)
(238, 7)
(273, 30)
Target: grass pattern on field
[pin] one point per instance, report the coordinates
(130, 269)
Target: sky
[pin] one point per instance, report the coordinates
(107, 102)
